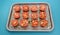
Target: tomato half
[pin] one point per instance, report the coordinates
(23, 23)
(34, 8)
(25, 14)
(43, 23)
(43, 7)
(42, 15)
(34, 15)
(16, 15)
(25, 8)
(14, 23)
(17, 8)
(34, 23)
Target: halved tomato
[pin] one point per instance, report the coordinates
(23, 23)
(16, 15)
(34, 8)
(34, 15)
(43, 15)
(34, 23)
(14, 23)
(16, 8)
(43, 23)
(25, 14)
(43, 7)
(25, 8)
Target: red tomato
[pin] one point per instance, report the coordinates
(24, 23)
(34, 15)
(14, 23)
(25, 14)
(43, 23)
(25, 8)
(43, 7)
(42, 15)
(34, 23)
(34, 8)
(16, 8)
(16, 15)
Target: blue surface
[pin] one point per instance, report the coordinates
(5, 9)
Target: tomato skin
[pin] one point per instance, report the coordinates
(16, 15)
(16, 8)
(43, 7)
(25, 14)
(25, 8)
(43, 23)
(34, 15)
(24, 23)
(42, 15)
(34, 8)
(14, 23)
(34, 23)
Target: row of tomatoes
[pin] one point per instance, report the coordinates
(34, 15)
(25, 23)
(26, 8)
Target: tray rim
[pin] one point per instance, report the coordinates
(31, 30)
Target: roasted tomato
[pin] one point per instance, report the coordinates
(25, 14)
(34, 8)
(24, 23)
(43, 23)
(34, 15)
(14, 23)
(16, 15)
(43, 7)
(42, 15)
(34, 23)
(25, 8)
(16, 8)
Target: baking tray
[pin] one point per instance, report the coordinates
(50, 26)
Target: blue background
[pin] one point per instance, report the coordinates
(5, 9)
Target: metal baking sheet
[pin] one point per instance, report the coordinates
(50, 26)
